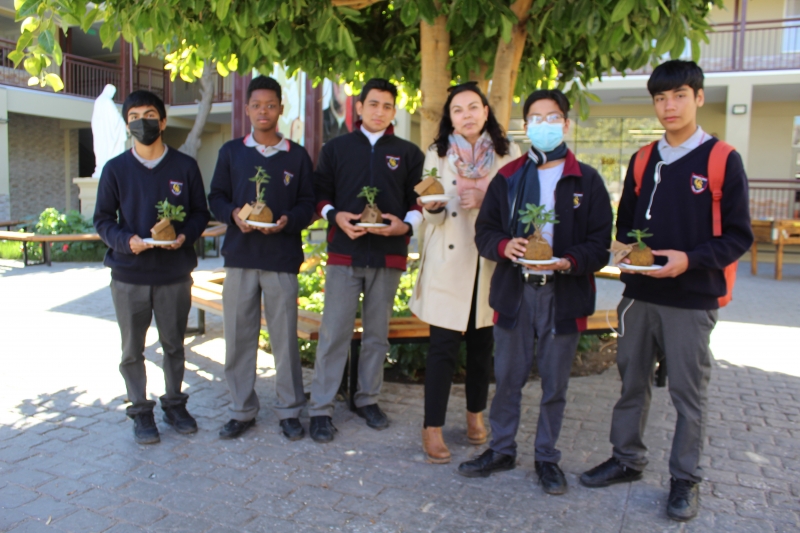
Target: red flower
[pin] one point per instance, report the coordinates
(65, 248)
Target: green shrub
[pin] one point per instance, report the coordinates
(53, 222)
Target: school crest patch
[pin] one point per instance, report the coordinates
(392, 161)
(176, 187)
(699, 183)
(577, 198)
(287, 177)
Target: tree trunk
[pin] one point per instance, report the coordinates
(506, 64)
(479, 75)
(435, 76)
(192, 144)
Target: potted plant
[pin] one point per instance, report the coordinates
(258, 211)
(163, 230)
(430, 184)
(537, 248)
(371, 213)
(640, 254)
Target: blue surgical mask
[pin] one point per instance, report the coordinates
(545, 136)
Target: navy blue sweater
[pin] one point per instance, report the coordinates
(681, 220)
(290, 192)
(582, 236)
(126, 206)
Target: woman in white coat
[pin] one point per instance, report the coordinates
(452, 290)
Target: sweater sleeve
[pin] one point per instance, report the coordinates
(627, 206)
(106, 221)
(198, 216)
(220, 198)
(489, 230)
(737, 233)
(299, 216)
(592, 254)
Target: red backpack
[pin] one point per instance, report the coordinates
(717, 162)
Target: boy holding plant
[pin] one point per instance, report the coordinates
(262, 188)
(145, 279)
(540, 310)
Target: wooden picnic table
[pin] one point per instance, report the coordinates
(776, 232)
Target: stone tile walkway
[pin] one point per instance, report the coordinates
(68, 462)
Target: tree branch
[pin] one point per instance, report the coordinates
(506, 63)
(192, 144)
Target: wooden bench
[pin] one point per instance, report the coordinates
(10, 223)
(46, 241)
(777, 232)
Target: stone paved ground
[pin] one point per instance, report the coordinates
(68, 462)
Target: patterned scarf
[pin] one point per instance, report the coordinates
(471, 163)
(525, 189)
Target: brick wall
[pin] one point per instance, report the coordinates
(36, 165)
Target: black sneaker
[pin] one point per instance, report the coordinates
(180, 419)
(321, 429)
(609, 473)
(487, 464)
(235, 428)
(144, 428)
(684, 500)
(551, 478)
(292, 429)
(375, 417)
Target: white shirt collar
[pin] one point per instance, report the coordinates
(373, 137)
(150, 163)
(267, 151)
(673, 153)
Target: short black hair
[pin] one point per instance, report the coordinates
(673, 74)
(143, 98)
(266, 83)
(379, 84)
(546, 94)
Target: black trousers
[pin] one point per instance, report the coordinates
(441, 365)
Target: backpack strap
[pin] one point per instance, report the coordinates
(640, 164)
(717, 161)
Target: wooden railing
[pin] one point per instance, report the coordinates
(87, 77)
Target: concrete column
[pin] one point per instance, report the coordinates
(402, 127)
(5, 198)
(737, 127)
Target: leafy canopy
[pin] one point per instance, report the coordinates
(170, 212)
(370, 193)
(538, 216)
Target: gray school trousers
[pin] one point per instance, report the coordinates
(682, 335)
(241, 299)
(343, 286)
(515, 349)
(135, 306)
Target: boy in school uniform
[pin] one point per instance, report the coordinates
(362, 260)
(148, 280)
(674, 309)
(262, 262)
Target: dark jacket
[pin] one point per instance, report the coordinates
(681, 220)
(126, 206)
(582, 235)
(348, 163)
(290, 192)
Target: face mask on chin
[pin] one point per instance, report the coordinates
(145, 130)
(545, 136)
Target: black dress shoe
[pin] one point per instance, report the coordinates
(684, 500)
(321, 429)
(487, 464)
(144, 428)
(292, 429)
(180, 419)
(551, 478)
(609, 473)
(234, 428)
(375, 417)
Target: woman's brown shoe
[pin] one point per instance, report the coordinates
(476, 430)
(433, 445)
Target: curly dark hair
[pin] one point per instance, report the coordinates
(496, 131)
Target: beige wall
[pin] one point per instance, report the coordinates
(207, 156)
(711, 116)
(756, 10)
(770, 155)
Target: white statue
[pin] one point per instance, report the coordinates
(108, 129)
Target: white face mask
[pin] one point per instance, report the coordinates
(545, 136)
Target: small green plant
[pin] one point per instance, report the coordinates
(260, 178)
(536, 216)
(431, 173)
(370, 193)
(170, 212)
(640, 234)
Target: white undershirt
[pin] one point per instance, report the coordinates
(372, 137)
(548, 179)
(150, 163)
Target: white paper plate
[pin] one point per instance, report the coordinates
(368, 225)
(551, 261)
(260, 224)
(158, 243)
(435, 198)
(637, 268)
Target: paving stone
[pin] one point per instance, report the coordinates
(12, 496)
(139, 513)
(45, 507)
(35, 526)
(84, 521)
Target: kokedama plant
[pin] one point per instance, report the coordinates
(371, 213)
(430, 183)
(641, 255)
(260, 212)
(163, 230)
(537, 248)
